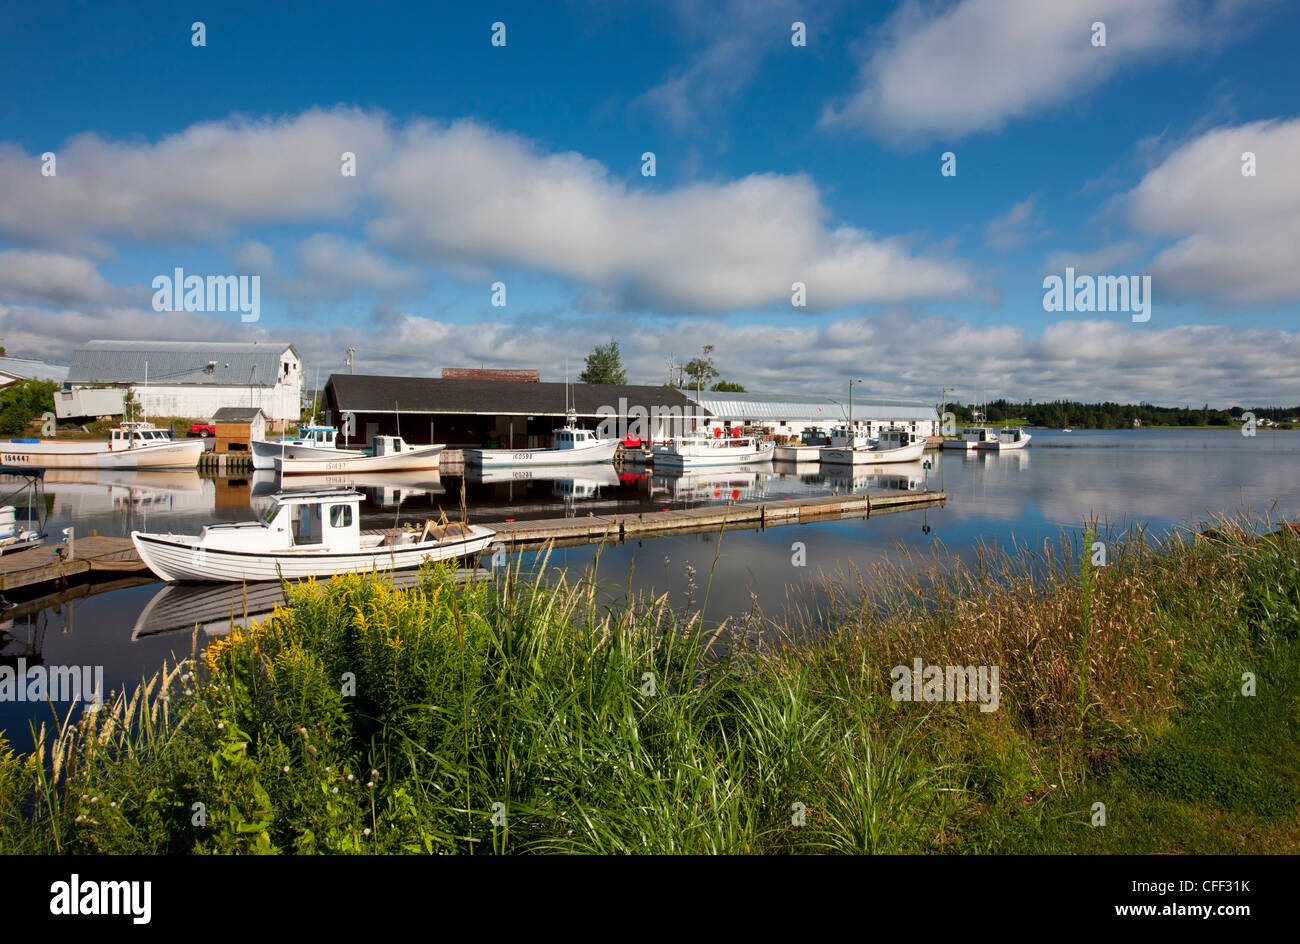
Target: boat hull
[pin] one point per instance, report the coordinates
(601, 451)
(798, 453)
(416, 460)
(909, 453)
(960, 445)
(266, 452)
(98, 455)
(1005, 446)
(181, 558)
(700, 457)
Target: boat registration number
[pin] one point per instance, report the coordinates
(15, 458)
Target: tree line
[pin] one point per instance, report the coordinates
(1058, 414)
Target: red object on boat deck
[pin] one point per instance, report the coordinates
(735, 432)
(717, 432)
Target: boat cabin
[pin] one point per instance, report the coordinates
(324, 436)
(895, 438)
(1011, 434)
(976, 434)
(815, 437)
(571, 438)
(135, 435)
(317, 519)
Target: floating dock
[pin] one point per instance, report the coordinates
(44, 566)
(568, 532)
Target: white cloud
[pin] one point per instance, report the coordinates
(469, 195)
(947, 72)
(29, 275)
(1236, 235)
(196, 184)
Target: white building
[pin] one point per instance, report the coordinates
(197, 378)
(790, 415)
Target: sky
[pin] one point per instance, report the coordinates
(916, 169)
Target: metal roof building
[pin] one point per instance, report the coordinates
(475, 412)
(196, 378)
(21, 368)
(177, 362)
(790, 414)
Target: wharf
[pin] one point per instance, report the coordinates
(568, 532)
(93, 555)
(43, 565)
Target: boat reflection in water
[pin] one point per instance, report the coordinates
(82, 493)
(894, 476)
(215, 609)
(382, 489)
(711, 484)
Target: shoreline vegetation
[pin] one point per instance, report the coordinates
(545, 713)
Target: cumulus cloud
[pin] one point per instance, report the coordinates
(1236, 235)
(331, 266)
(470, 195)
(196, 184)
(947, 72)
(29, 275)
(469, 198)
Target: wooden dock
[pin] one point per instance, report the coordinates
(44, 567)
(592, 529)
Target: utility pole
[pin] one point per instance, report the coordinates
(350, 352)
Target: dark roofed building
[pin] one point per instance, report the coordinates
(511, 414)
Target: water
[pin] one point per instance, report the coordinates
(1156, 478)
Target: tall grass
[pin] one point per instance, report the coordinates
(545, 713)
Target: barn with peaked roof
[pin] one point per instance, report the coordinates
(197, 378)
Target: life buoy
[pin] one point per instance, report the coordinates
(717, 432)
(735, 432)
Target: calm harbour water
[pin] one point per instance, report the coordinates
(1155, 478)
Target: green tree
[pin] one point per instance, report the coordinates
(728, 386)
(604, 366)
(700, 370)
(22, 402)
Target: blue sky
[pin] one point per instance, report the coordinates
(774, 163)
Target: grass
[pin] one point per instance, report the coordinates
(545, 713)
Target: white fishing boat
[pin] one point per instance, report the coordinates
(808, 449)
(391, 454)
(570, 446)
(893, 445)
(303, 534)
(1009, 438)
(132, 446)
(702, 450)
(16, 533)
(312, 442)
(971, 437)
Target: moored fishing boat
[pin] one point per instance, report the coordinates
(971, 437)
(1008, 439)
(570, 446)
(893, 445)
(700, 450)
(391, 454)
(312, 442)
(808, 449)
(303, 534)
(17, 533)
(131, 446)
